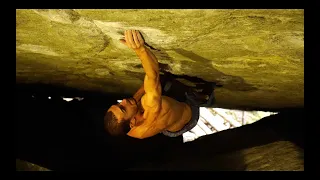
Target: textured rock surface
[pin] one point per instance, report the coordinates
(256, 55)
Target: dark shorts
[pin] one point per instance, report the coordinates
(191, 124)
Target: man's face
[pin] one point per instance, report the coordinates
(125, 110)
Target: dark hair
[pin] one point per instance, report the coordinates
(113, 127)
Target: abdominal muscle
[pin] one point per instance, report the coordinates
(174, 115)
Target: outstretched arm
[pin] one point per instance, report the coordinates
(152, 99)
(152, 86)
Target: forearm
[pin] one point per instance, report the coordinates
(149, 62)
(137, 96)
(141, 91)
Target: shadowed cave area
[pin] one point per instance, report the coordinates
(255, 58)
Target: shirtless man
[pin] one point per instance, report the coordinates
(148, 113)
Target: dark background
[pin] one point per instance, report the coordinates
(62, 135)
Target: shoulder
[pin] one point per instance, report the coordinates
(151, 105)
(156, 111)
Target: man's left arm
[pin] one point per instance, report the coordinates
(138, 95)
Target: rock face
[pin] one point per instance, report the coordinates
(257, 56)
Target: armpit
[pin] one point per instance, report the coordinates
(153, 104)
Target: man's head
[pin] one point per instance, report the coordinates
(118, 117)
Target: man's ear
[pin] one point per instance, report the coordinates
(132, 122)
(138, 119)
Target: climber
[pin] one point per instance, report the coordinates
(148, 112)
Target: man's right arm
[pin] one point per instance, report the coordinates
(152, 86)
(151, 101)
(137, 96)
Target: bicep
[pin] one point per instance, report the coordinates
(152, 87)
(151, 103)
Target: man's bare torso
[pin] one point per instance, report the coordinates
(173, 115)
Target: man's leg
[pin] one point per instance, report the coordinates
(202, 98)
(173, 88)
(202, 94)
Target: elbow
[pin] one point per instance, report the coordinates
(153, 75)
(140, 137)
(136, 136)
